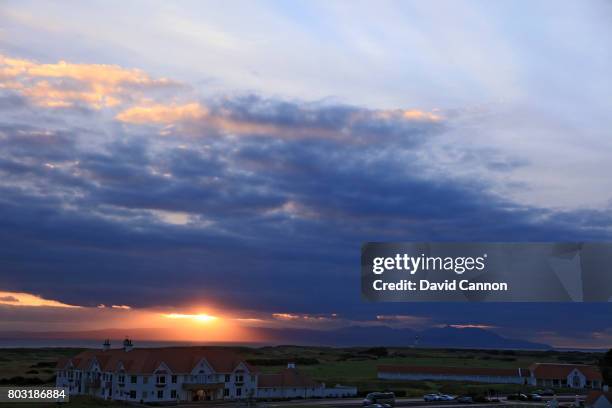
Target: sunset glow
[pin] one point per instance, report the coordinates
(201, 317)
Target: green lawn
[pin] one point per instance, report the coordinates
(31, 363)
(354, 366)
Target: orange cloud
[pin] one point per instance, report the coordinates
(162, 114)
(65, 84)
(197, 116)
(421, 115)
(27, 299)
(193, 117)
(129, 93)
(472, 326)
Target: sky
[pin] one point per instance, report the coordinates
(164, 162)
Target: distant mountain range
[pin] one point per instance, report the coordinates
(445, 337)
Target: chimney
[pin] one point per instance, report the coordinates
(290, 365)
(106, 345)
(127, 344)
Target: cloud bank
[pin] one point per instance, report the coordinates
(119, 188)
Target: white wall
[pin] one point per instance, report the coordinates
(340, 391)
(450, 377)
(291, 392)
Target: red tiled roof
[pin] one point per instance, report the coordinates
(289, 377)
(559, 371)
(594, 396)
(476, 371)
(147, 360)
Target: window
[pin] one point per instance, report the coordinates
(173, 394)
(144, 395)
(238, 391)
(161, 379)
(174, 378)
(160, 394)
(226, 392)
(121, 378)
(133, 394)
(145, 380)
(239, 378)
(133, 379)
(227, 378)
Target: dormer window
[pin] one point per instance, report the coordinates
(161, 379)
(576, 381)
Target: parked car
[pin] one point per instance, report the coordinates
(431, 397)
(547, 393)
(465, 399)
(534, 397)
(379, 398)
(379, 406)
(517, 397)
(445, 397)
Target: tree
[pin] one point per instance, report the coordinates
(605, 364)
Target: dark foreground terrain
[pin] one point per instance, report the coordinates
(350, 366)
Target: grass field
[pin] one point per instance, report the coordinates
(31, 364)
(357, 366)
(349, 366)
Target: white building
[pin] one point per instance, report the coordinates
(473, 374)
(340, 391)
(181, 374)
(538, 374)
(566, 376)
(599, 399)
(158, 374)
(289, 383)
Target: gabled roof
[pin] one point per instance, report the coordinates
(289, 377)
(594, 396)
(146, 360)
(558, 371)
(476, 371)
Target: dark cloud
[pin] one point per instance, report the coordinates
(267, 222)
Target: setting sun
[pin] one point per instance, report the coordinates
(200, 317)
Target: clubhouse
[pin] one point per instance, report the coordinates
(174, 374)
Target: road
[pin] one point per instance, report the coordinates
(399, 402)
